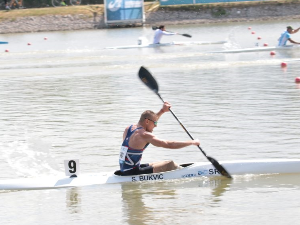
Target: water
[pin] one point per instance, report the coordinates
(68, 97)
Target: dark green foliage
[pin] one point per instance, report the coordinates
(47, 3)
(218, 12)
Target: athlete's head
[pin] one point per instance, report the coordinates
(149, 120)
(289, 29)
(161, 27)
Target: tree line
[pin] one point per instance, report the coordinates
(46, 3)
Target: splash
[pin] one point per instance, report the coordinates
(231, 42)
(29, 157)
(143, 41)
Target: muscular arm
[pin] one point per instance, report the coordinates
(295, 31)
(294, 42)
(168, 33)
(150, 138)
(166, 108)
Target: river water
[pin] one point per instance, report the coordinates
(67, 97)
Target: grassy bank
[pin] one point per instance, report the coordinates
(68, 10)
(90, 10)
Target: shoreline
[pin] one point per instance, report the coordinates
(155, 14)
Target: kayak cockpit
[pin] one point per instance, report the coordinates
(118, 172)
(186, 164)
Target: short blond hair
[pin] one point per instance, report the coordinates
(146, 115)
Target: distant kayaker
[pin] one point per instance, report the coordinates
(286, 36)
(137, 137)
(159, 33)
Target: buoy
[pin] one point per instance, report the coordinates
(6, 50)
(258, 38)
(249, 28)
(283, 64)
(45, 38)
(297, 79)
(28, 43)
(253, 32)
(265, 44)
(272, 53)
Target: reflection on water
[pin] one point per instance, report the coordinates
(219, 186)
(134, 207)
(153, 202)
(276, 181)
(142, 201)
(73, 200)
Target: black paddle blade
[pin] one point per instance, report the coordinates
(148, 79)
(187, 35)
(220, 168)
(154, 27)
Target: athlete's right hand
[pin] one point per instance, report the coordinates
(166, 107)
(196, 142)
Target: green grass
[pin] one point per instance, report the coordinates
(68, 10)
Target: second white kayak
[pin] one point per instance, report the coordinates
(174, 43)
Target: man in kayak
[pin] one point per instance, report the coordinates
(137, 137)
(159, 33)
(286, 36)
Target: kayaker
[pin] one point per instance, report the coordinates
(286, 36)
(159, 33)
(137, 137)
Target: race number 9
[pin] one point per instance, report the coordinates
(71, 167)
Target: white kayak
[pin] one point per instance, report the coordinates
(174, 43)
(189, 170)
(258, 49)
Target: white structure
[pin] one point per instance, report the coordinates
(124, 12)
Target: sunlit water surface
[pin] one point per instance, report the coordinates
(68, 97)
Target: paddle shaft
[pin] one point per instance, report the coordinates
(215, 163)
(150, 82)
(183, 127)
(185, 35)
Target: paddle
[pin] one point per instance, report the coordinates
(186, 35)
(150, 82)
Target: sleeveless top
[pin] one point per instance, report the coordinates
(130, 158)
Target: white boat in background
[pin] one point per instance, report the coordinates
(174, 43)
(141, 46)
(258, 49)
(189, 170)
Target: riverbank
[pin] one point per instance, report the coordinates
(92, 17)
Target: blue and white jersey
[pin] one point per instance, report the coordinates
(130, 158)
(285, 36)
